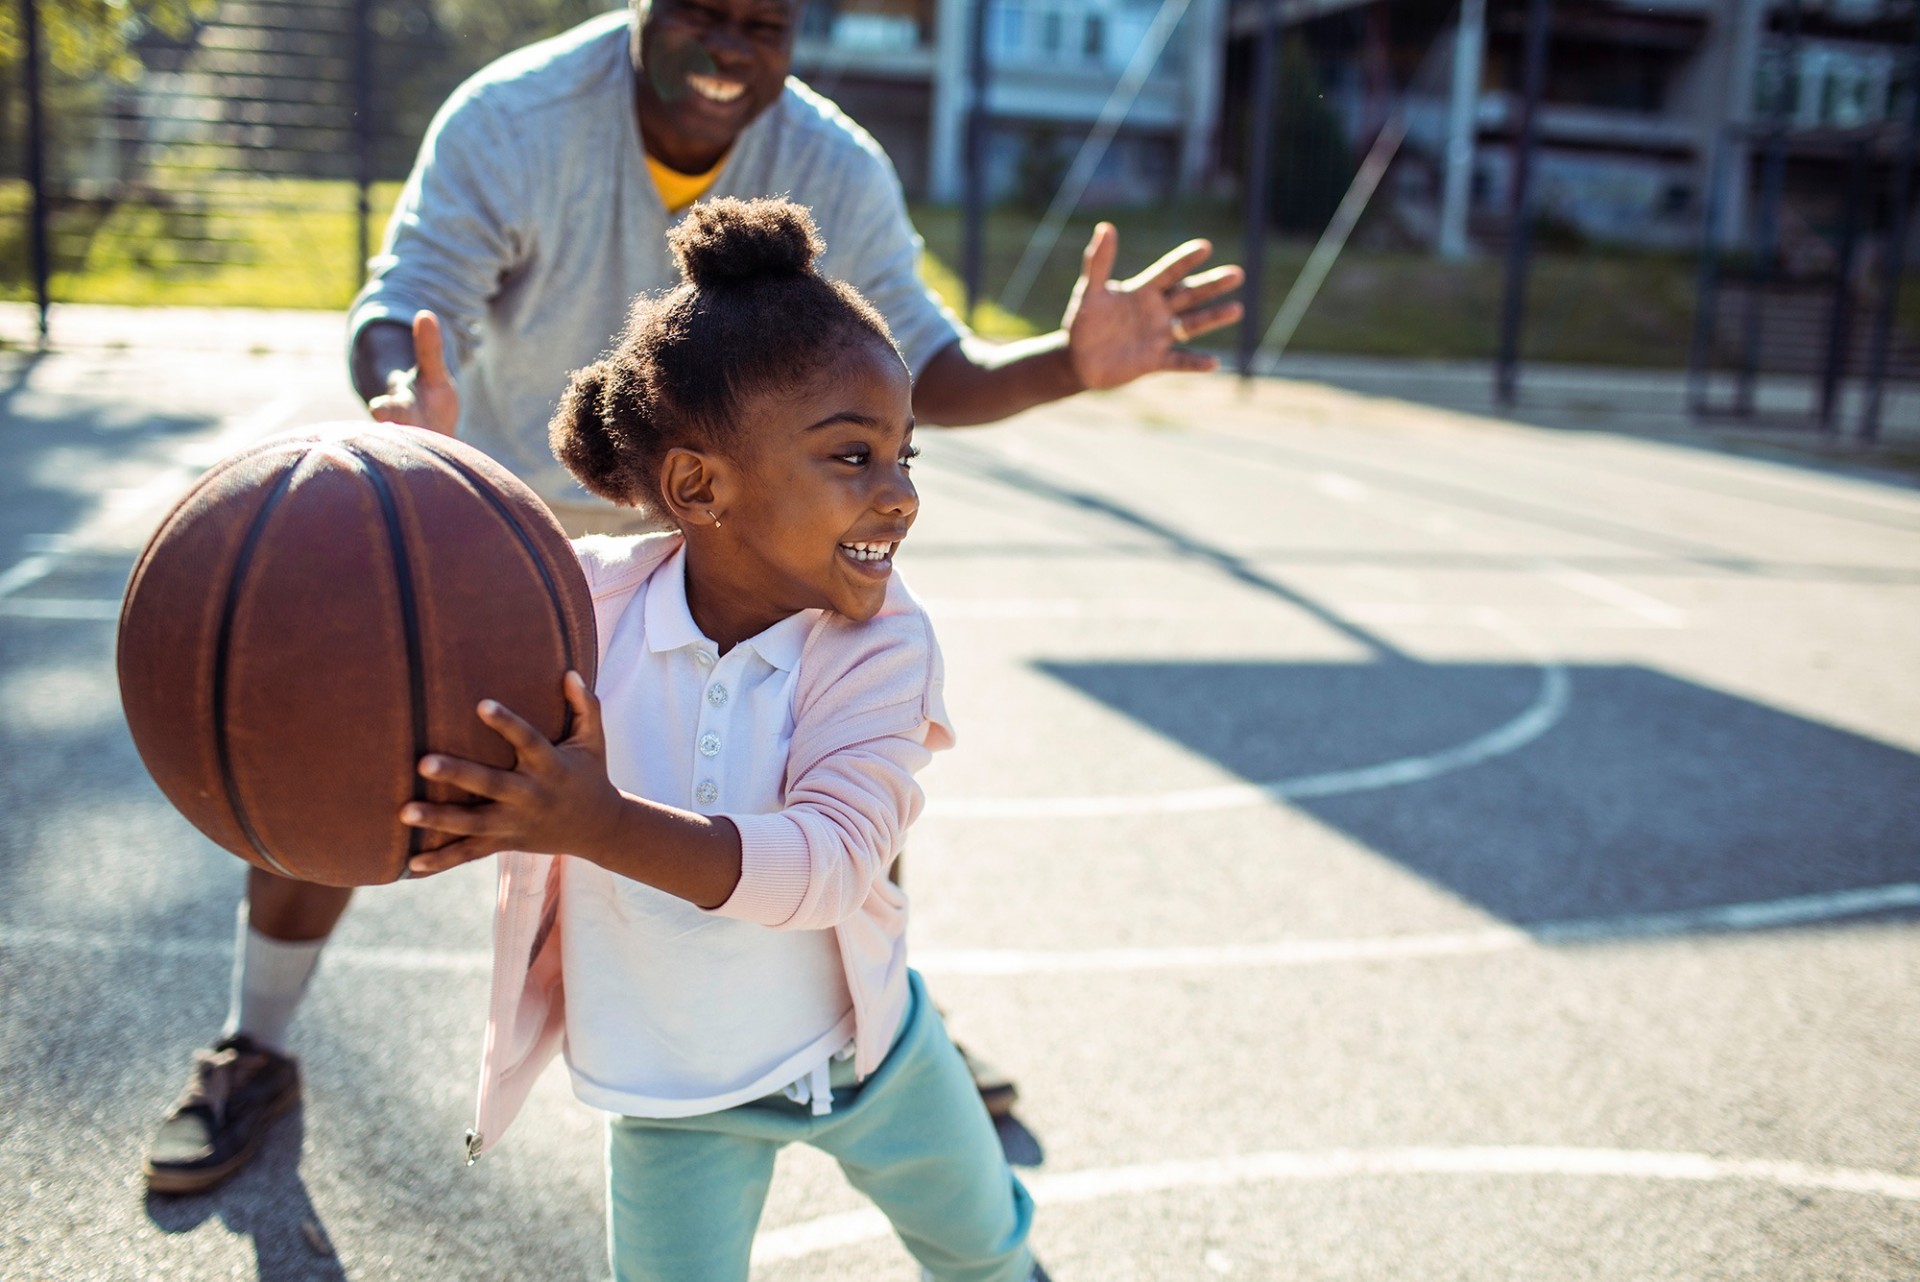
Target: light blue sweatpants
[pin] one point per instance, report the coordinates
(684, 1195)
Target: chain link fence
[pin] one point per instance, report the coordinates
(190, 143)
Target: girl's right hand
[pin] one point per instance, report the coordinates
(556, 800)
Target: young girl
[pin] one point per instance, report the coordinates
(723, 958)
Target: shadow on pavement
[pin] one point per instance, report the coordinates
(267, 1202)
(1649, 795)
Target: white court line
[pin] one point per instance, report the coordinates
(1549, 705)
(27, 572)
(54, 608)
(1073, 1187)
(1606, 591)
(1800, 910)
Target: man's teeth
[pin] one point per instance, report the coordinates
(868, 551)
(715, 88)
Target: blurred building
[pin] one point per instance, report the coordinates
(1641, 97)
(900, 68)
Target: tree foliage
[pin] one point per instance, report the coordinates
(93, 39)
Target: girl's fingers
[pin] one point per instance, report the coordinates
(448, 856)
(465, 821)
(527, 742)
(585, 706)
(471, 776)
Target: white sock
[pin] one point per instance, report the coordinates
(269, 978)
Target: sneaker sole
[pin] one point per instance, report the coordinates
(198, 1179)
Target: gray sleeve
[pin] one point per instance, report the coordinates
(880, 256)
(456, 231)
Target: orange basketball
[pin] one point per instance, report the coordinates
(319, 611)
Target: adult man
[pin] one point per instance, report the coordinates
(536, 211)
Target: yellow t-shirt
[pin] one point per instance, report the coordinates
(678, 190)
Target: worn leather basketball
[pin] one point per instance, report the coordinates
(319, 611)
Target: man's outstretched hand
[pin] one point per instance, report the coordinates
(1120, 330)
(423, 396)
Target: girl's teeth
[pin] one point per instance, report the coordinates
(868, 551)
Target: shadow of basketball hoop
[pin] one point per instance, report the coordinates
(1650, 794)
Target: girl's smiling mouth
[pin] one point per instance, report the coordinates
(874, 554)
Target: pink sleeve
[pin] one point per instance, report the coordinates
(810, 865)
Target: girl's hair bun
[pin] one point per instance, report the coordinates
(727, 240)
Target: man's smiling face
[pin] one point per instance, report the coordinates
(705, 69)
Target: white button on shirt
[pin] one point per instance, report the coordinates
(673, 1011)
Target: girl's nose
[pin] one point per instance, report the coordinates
(899, 497)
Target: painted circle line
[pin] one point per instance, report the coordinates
(1549, 705)
(1072, 1187)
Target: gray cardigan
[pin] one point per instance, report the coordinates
(530, 223)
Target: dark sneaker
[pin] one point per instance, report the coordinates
(216, 1125)
(997, 1090)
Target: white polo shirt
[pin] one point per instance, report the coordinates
(673, 1011)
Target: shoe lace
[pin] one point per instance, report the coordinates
(215, 1073)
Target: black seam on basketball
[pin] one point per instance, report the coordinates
(222, 750)
(410, 626)
(484, 489)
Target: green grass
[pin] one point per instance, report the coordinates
(290, 243)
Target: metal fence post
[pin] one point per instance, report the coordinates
(1764, 261)
(1840, 319)
(1895, 258)
(1707, 283)
(1520, 234)
(1259, 159)
(974, 214)
(363, 126)
(37, 164)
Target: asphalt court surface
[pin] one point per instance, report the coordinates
(1383, 842)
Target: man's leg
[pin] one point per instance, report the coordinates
(237, 1088)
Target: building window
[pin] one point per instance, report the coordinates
(1095, 44)
(1007, 28)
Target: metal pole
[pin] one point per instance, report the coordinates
(1259, 158)
(1707, 289)
(37, 165)
(1520, 233)
(1894, 260)
(1457, 189)
(1840, 321)
(1762, 265)
(362, 127)
(973, 232)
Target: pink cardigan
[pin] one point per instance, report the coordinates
(819, 863)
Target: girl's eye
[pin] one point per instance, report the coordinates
(856, 457)
(908, 455)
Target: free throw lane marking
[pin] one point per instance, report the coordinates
(1549, 705)
(1073, 1187)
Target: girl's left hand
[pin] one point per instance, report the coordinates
(556, 800)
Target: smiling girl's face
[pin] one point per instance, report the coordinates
(814, 499)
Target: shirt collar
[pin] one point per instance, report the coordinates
(670, 624)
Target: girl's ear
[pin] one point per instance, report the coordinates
(692, 483)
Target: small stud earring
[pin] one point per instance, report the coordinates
(716, 520)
